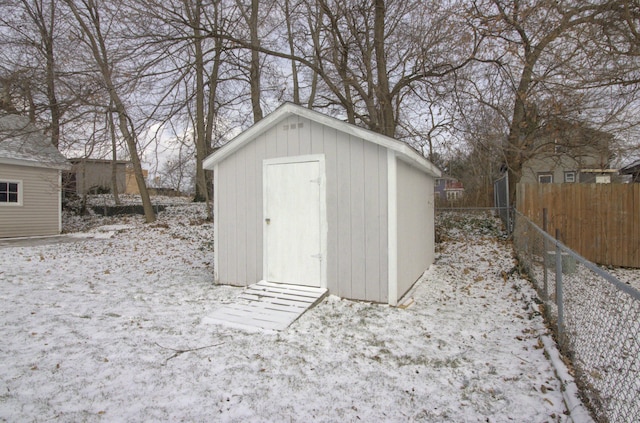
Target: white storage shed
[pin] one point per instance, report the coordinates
(305, 199)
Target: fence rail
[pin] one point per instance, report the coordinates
(599, 221)
(596, 318)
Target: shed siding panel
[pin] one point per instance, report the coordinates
(243, 210)
(343, 215)
(415, 225)
(357, 216)
(321, 135)
(233, 223)
(39, 213)
(371, 222)
(383, 224)
(293, 136)
(226, 227)
(281, 139)
(331, 157)
(252, 214)
(261, 153)
(356, 207)
(304, 133)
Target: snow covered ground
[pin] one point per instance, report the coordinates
(110, 329)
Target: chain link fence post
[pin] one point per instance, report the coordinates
(545, 256)
(559, 301)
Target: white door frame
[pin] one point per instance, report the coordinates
(320, 158)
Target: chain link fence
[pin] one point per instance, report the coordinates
(596, 318)
(501, 201)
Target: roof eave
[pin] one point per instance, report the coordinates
(30, 163)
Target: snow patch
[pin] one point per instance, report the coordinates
(115, 331)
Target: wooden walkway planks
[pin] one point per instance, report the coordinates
(268, 305)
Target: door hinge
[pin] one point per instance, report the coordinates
(315, 181)
(318, 256)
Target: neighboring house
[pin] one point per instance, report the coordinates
(305, 199)
(567, 152)
(449, 189)
(632, 169)
(95, 175)
(30, 180)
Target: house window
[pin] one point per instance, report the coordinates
(570, 177)
(10, 193)
(545, 178)
(453, 195)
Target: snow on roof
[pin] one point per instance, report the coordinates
(22, 143)
(403, 150)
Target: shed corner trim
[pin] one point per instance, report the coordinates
(216, 231)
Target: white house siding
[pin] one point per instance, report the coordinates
(416, 233)
(356, 207)
(39, 213)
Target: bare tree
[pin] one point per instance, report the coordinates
(35, 28)
(178, 172)
(370, 56)
(43, 15)
(88, 17)
(290, 19)
(534, 45)
(193, 67)
(251, 15)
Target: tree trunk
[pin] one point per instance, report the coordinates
(294, 68)
(114, 158)
(386, 119)
(212, 112)
(35, 10)
(54, 106)
(315, 36)
(130, 137)
(254, 66)
(96, 42)
(200, 138)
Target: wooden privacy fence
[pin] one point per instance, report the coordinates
(601, 222)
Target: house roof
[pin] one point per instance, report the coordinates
(23, 144)
(403, 151)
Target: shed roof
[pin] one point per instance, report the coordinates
(404, 151)
(22, 143)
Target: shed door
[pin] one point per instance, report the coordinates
(292, 223)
